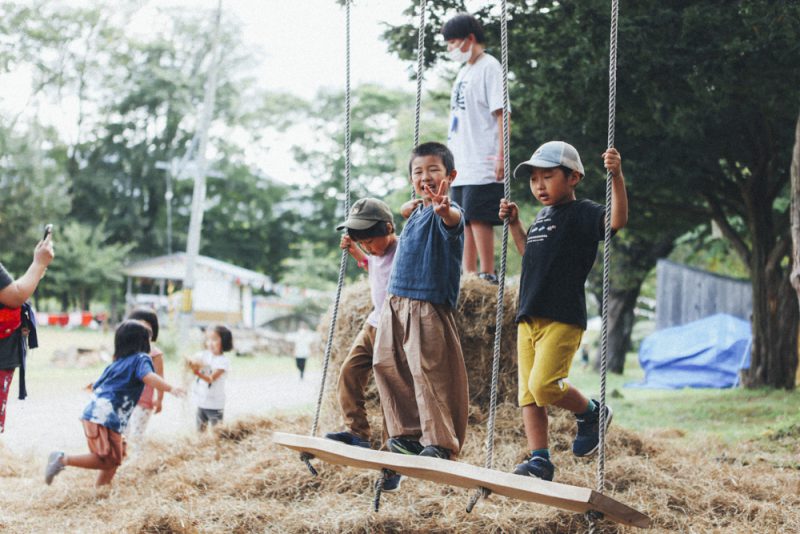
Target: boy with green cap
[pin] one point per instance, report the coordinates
(370, 239)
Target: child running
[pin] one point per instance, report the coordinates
(114, 396)
(419, 367)
(211, 369)
(558, 250)
(151, 399)
(371, 241)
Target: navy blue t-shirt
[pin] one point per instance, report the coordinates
(560, 250)
(117, 391)
(427, 264)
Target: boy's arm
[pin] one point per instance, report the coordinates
(210, 378)
(510, 210)
(619, 196)
(156, 382)
(499, 165)
(441, 205)
(17, 292)
(158, 365)
(355, 252)
(408, 207)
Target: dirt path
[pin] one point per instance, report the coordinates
(48, 419)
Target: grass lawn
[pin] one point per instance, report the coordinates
(52, 339)
(766, 419)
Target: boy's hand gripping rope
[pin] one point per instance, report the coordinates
(498, 333)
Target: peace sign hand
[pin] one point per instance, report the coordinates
(441, 202)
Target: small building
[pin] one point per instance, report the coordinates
(223, 292)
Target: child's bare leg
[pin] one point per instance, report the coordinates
(535, 420)
(105, 477)
(483, 236)
(470, 258)
(86, 461)
(573, 401)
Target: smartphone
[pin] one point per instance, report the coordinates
(48, 229)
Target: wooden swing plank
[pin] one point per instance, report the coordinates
(468, 476)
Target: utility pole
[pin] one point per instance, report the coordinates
(199, 193)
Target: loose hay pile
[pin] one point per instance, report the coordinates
(235, 480)
(475, 319)
(253, 486)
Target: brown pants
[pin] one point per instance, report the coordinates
(420, 373)
(353, 378)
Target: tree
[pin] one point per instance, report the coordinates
(700, 121)
(35, 192)
(795, 274)
(87, 266)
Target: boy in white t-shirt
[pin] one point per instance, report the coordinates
(475, 138)
(211, 368)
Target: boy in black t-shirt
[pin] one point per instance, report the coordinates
(558, 252)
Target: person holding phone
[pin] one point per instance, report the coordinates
(13, 295)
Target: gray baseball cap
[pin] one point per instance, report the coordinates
(365, 213)
(551, 154)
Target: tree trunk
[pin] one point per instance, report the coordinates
(795, 218)
(621, 306)
(775, 328)
(795, 212)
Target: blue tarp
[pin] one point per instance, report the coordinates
(708, 353)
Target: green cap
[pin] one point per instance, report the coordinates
(365, 213)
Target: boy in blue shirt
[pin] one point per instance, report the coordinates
(558, 250)
(418, 363)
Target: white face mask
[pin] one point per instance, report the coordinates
(457, 55)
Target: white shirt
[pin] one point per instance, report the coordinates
(211, 396)
(473, 135)
(302, 339)
(379, 271)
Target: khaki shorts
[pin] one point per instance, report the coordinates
(544, 354)
(110, 446)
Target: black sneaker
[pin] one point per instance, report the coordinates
(587, 440)
(536, 466)
(404, 446)
(434, 451)
(391, 483)
(489, 277)
(348, 438)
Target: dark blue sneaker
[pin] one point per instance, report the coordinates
(434, 451)
(404, 446)
(588, 438)
(391, 484)
(348, 438)
(536, 466)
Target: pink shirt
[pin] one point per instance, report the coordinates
(380, 267)
(146, 400)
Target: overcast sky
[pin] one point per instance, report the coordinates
(281, 32)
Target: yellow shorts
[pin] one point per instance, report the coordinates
(544, 354)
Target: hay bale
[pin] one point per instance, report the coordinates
(475, 318)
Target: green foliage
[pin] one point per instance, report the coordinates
(312, 265)
(87, 265)
(35, 192)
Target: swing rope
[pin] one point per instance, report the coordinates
(498, 333)
(343, 262)
(420, 72)
(612, 115)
